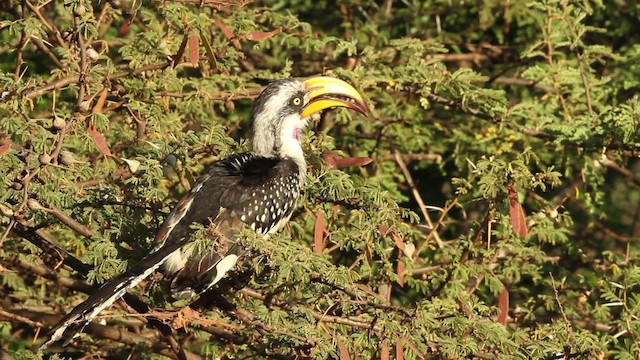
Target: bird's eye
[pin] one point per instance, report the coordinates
(296, 101)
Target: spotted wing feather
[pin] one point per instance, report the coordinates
(263, 197)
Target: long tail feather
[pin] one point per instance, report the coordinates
(74, 322)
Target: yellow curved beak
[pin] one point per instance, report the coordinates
(326, 92)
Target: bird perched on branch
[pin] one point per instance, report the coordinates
(258, 189)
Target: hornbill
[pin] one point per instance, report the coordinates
(258, 189)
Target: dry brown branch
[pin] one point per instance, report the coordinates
(52, 86)
(632, 176)
(612, 234)
(74, 78)
(561, 308)
(138, 71)
(19, 55)
(46, 273)
(14, 317)
(424, 270)
(68, 221)
(593, 325)
(249, 93)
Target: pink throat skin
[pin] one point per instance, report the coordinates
(297, 133)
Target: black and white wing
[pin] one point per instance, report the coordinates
(263, 198)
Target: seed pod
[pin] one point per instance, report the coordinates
(58, 123)
(34, 205)
(80, 10)
(93, 54)
(229, 105)
(66, 158)
(16, 186)
(172, 160)
(132, 164)
(67, 34)
(84, 106)
(44, 159)
(5, 210)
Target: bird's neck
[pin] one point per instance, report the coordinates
(282, 141)
(289, 149)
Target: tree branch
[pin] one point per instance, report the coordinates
(41, 240)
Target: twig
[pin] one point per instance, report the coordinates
(4, 236)
(424, 270)
(418, 198)
(246, 317)
(614, 235)
(216, 4)
(41, 45)
(560, 307)
(626, 172)
(140, 70)
(634, 226)
(61, 216)
(101, 17)
(250, 93)
(357, 299)
(50, 28)
(473, 57)
(593, 325)
(46, 273)
(183, 45)
(107, 332)
(74, 78)
(470, 110)
(434, 230)
(55, 85)
(19, 60)
(14, 317)
(83, 60)
(59, 138)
